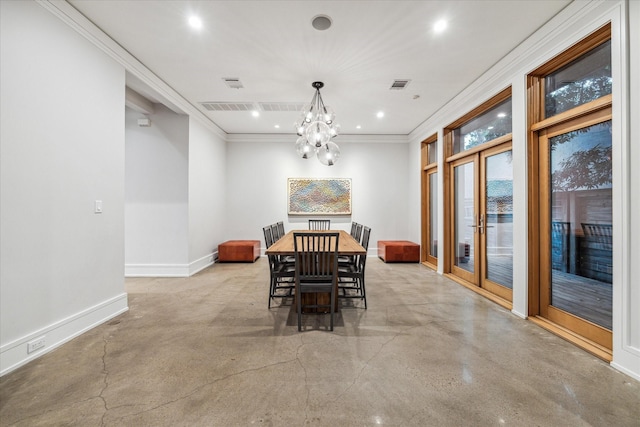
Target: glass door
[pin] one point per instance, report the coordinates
(576, 249)
(465, 218)
(482, 228)
(496, 221)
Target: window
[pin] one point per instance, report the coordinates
(570, 203)
(583, 80)
(429, 184)
(488, 126)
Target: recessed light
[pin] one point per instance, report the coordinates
(380, 114)
(440, 26)
(255, 113)
(501, 115)
(277, 126)
(358, 127)
(321, 22)
(195, 22)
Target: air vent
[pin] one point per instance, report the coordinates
(229, 106)
(281, 106)
(233, 82)
(399, 84)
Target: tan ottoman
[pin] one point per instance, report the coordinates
(398, 251)
(239, 251)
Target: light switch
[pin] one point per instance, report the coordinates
(98, 208)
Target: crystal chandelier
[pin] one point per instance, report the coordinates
(315, 128)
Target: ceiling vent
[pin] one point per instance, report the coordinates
(281, 106)
(399, 84)
(229, 106)
(233, 82)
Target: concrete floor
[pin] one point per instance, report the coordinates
(206, 351)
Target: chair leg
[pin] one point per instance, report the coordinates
(272, 289)
(364, 292)
(299, 309)
(333, 307)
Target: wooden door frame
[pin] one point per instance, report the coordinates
(582, 327)
(472, 278)
(427, 169)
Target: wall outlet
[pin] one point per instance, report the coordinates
(36, 344)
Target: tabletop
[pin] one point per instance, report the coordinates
(347, 245)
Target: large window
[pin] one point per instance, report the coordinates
(479, 199)
(429, 163)
(571, 243)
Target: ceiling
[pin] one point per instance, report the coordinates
(275, 52)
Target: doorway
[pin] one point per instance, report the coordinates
(482, 226)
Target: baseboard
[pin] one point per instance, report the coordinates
(625, 370)
(15, 354)
(156, 270)
(170, 270)
(202, 263)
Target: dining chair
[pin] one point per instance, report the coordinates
(351, 276)
(319, 224)
(281, 273)
(316, 269)
(280, 225)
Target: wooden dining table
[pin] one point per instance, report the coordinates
(347, 245)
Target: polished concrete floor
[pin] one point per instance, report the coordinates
(206, 351)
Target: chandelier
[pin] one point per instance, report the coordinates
(315, 128)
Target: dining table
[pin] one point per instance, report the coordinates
(347, 246)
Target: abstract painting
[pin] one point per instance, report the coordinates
(319, 196)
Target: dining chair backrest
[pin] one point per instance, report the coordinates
(268, 236)
(358, 234)
(275, 232)
(280, 225)
(319, 224)
(366, 234)
(354, 226)
(316, 256)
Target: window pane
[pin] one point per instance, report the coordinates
(581, 216)
(433, 214)
(499, 221)
(465, 216)
(433, 152)
(583, 80)
(486, 127)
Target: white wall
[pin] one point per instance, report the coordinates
(568, 27)
(626, 297)
(157, 194)
(257, 175)
(62, 148)
(207, 195)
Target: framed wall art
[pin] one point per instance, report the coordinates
(319, 196)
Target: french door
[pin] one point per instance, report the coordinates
(482, 227)
(576, 246)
